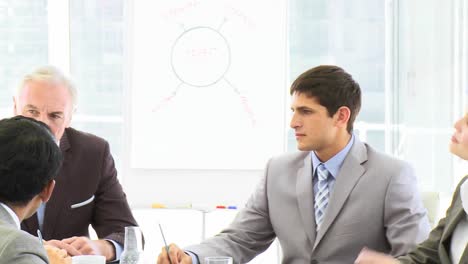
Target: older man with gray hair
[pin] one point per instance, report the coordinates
(87, 190)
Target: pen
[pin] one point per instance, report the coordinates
(165, 243)
(39, 235)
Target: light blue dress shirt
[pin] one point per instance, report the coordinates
(333, 165)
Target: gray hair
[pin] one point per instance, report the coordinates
(52, 75)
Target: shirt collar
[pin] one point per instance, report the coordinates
(12, 214)
(333, 165)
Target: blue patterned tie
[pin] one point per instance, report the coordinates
(322, 195)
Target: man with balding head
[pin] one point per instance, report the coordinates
(87, 190)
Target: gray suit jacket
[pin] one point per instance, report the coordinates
(17, 246)
(374, 203)
(436, 249)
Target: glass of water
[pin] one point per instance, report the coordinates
(218, 260)
(133, 249)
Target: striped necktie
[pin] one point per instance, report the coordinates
(322, 195)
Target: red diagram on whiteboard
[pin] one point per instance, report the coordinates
(201, 57)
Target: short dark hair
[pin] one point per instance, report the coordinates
(29, 159)
(332, 87)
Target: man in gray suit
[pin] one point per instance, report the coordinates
(29, 161)
(330, 199)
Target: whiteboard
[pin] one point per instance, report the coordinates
(207, 83)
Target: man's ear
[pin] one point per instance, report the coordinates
(47, 191)
(342, 116)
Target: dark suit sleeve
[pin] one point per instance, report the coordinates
(428, 251)
(111, 212)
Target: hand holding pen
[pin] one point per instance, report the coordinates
(165, 244)
(172, 254)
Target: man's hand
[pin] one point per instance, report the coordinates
(62, 245)
(176, 254)
(368, 256)
(76, 246)
(57, 255)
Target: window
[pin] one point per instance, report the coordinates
(350, 34)
(96, 64)
(410, 66)
(426, 88)
(23, 44)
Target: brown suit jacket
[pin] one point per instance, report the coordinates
(87, 192)
(436, 249)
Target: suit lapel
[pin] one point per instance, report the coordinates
(305, 197)
(451, 223)
(59, 196)
(347, 178)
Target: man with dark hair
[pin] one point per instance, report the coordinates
(333, 88)
(328, 200)
(29, 162)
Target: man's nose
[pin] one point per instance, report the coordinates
(43, 119)
(294, 122)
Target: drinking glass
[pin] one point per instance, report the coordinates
(133, 249)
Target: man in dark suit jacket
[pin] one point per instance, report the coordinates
(87, 191)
